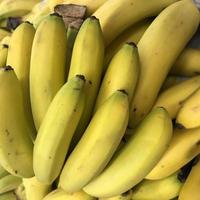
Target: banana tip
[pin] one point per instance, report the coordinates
(7, 68)
(132, 44)
(82, 77)
(123, 91)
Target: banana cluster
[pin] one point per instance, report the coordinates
(106, 110)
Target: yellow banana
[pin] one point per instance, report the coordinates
(8, 196)
(87, 59)
(124, 196)
(48, 60)
(3, 54)
(19, 55)
(158, 51)
(35, 190)
(95, 149)
(188, 63)
(118, 77)
(59, 194)
(184, 147)
(172, 98)
(136, 159)
(132, 34)
(166, 188)
(4, 32)
(64, 112)
(3, 172)
(190, 188)
(16, 146)
(6, 40)
(20, 192)
(113, 23)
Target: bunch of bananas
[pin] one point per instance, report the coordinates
(108, 109)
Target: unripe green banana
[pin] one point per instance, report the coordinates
(166, 188)
(16, 146)
(4, 32)
(64, 112)
(136, 159)
(183, 148)
(98, 143)
(19, 55)
(158, 52)
(8, 196)
(3, 172)
(118, 77)
(48, 65)
(124, 196)
(172, 98)
(3, 54)
(35, 190)
(87, 59)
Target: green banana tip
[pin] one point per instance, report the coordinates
(123, 91)
(132, 44)
(82, 77)
(7, 68)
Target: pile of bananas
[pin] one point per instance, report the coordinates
(107, 110)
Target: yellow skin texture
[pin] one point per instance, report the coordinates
(6, 40)
(94, 150)
(158, 51)
(172, 98)
(16, 152)
(48, 69)
(182, 149)
(4, 33)
(125, 196)
(136, 159)
(3, 55)
(192, 184)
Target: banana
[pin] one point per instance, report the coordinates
(3, 54)
(158, 51)
(95, 149)
(16, 146)
(4, 32)
(136, 159)
(3, 172)
(87, 59)
(132, 34)
(59, 194)
(172, 98)
(9, 183)
(124, 196)
(166, 188)
(118, 77)
(6, 40)
(47, 69)
(13, 8)
(8, 196)
(20, 192)
(187, 64)
(113, 24)
(19, 55)
(192, 184)
(35, 190)
(183, 148)
(64, 112)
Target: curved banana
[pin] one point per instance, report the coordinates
(19, 55)
(188, 63)
(64, 112)
(118, 77)
(124, 196)
(48, 65)
(16, 146)
(3, 172)
(8, 196)
(158, 51)
(95, 149)
(87, 59)
(59, 194)
(132, 34)
(113, 24)
(192, 184)
(183, 148)
(136, 159)
(166, 188)
(3, 54)
(35, 190)
(4, 32)
(172, 98)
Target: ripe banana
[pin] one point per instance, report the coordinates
(64, 112)
(166, 188)
(47, 70)
(19, 55)
(136, 159)
(118, 77)
(3, 54)
(16, 146)
(190, 188)
(8, 196)
(183, 148)
(59, 194)
(13, 8)
(158, 51)
(132, 34)
(4, 32)
(3, 172)
(87, 59)
(124, 196)
(113, 23)
(95, 149)
(35, 190)
(172, 98)
(6, 40)
(188, 63)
